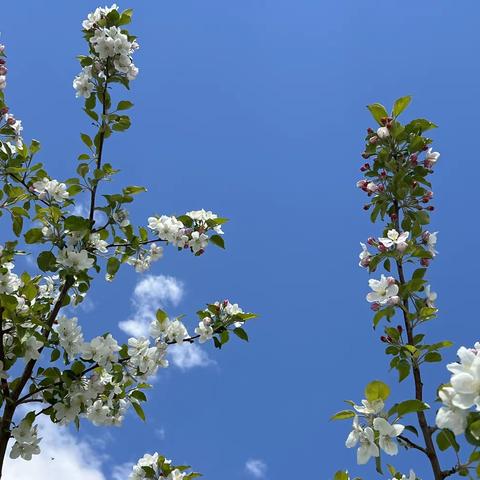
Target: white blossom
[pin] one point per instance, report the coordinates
(32, 346)
(70, 336)
(370, 408)
(198, 242)
(364, 256)
(395, 239)
(449, 416)
(69, 258)
(51, 189)
(102, 350)
(430, 297)
(430, 239)
(83, 84)
(383, 132)
(176, 332)
(384, 292)
(366, 438)
(26, 441)
(205, 330)
(388, 433)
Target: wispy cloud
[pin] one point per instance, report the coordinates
(189, 355)
(256, 468)
(161, 291)
(62, 456)
(122, 472)
(151, 293)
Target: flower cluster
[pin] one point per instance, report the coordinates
(365, 436)
(157, 467)
(47, 189)
(189, 230)
(3, 69)
(463, 392)
(111, 51)
(26, 440)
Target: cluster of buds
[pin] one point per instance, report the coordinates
(382, 132)
(389, 339)
(3, 69)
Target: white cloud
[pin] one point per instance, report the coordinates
(122, 472)
(62, 456)
(256, 468)
(189, 355)
(160, 433)
(150, 294)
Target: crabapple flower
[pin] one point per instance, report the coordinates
(78, 261)
(94, 17)
(465, 380)
(370, 408)
(430, 240)
(26, 441)
(431, 158)
(430, 297)
(102, 350)
(385, 291)
(366, 438)
(120, 216)
(364, 256)
(32, 346)
(176, 332)
(3, 82)
(9, 282)
(395, 239)
(198, 242)
(97, 243)
(205, 330)
(383, 132)
(51, 189)
(449, 416)
(387, 433)
(70, 336)
(82, 83)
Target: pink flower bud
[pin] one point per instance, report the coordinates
(2, 61)
(3, 70)
(375, 306)
(371, 241)
(382, 247)
(373, 140)
(11, 120)
(2, 48)
(366, 206)
(4, 111)
(425, 237)
(425, 262)
(430, 208)
(390, 281)
(383, 339)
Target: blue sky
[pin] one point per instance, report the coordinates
(256, 110)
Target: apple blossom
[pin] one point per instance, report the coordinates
(387, 434)
(384, 291)
(395, 239)
(78, 261)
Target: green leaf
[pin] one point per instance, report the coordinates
(378, 111)
(46, 261)
(138, 410)
(218, 241)
(343, 415)
(139, 395)
(86, 140)
(241, 333)
(377, 390)
(113, 265)
(408, 406)
(446, 439)
(341, 475)
(433, 357)
(161, 315)
(400, 105)
(34, 235)
(124, 105)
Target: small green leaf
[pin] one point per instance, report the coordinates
(124, 105)
(378, 111)
(377, 390)
(218, 241)
(400, 105)
(343, 415)
(138, 410)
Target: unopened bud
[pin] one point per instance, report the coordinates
(375, 306)
(365, 155)
(400, 329)
(366, 206)
(430, 208)
(4, 111)
(425, 262)
(383, 339)
(371, 241)
(393, 216)
(11, 121)
(2, 61)
(373, 140)
(382, 247)
(3, 70)
(369, 130)
(380, 187)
